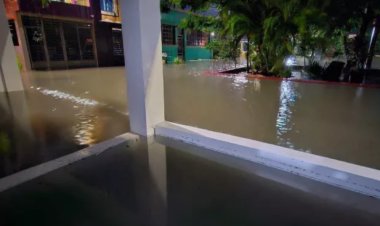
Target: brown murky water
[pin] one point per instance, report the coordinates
(42, 124)
(340, 122)
(80, 107)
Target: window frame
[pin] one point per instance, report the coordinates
(168, 32)
(195, 38)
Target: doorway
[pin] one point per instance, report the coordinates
(181, 44)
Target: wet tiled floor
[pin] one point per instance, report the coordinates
(177, 184)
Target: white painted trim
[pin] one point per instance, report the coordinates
(47, 167)
(341, 174)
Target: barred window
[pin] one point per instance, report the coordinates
(197, 38)
(168, 34)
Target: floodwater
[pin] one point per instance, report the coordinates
(177, 184)
(63, 111)
(340, 122)
(42, 124)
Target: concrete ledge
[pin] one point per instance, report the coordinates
(337, 173)
(47, 167)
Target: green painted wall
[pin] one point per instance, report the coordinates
(171, 51)
(197, 53)
(172, 18)
(191, 53)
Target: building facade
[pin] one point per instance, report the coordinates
(178, 43)
(87, 33)
(56, 36)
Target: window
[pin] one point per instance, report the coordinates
(35, 38)
(58, 41)
(168, 34)
(197, 38)
(53, 40)
(86, 42)
(71, 40)
(117, 42)
(108, 7)
(74, 2)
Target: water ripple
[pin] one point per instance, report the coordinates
(284, 125)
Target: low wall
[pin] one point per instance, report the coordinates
(197, 53)
(337, 173)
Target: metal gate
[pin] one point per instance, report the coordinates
(57, 44)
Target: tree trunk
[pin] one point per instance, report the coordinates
(359, 49)
(372, 44)
(247, 55)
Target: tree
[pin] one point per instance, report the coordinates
(277, 28)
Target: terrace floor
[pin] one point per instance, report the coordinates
(171, 183)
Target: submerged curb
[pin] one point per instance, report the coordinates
(47, 167)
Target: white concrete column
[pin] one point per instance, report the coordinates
(9, 72)
(141, 21)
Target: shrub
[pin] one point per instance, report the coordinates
(285, 73)
(177, 60)
(19, 64)
(315, 70)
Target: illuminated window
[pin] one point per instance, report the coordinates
(168, 34)
(74, 2)
(108, 7)
(197, 38)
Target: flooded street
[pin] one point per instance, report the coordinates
(63, 111)
(340, 122)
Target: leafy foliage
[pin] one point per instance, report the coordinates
(177, 60)
(45, 3)
(225, 48)
(278, 28)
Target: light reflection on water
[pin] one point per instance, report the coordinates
(41, 124)
(66, 96)
(85, 114)
(257, 85)
(284, 123)
(84, 129)
(240, 80)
